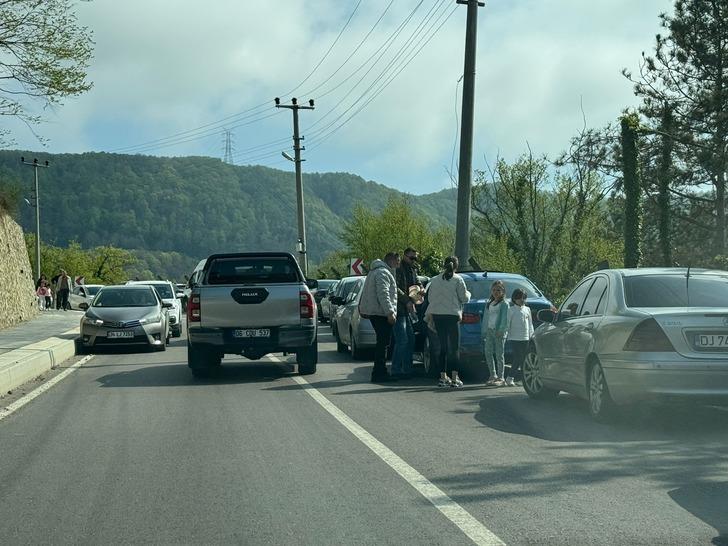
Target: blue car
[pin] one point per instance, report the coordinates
(472, 361)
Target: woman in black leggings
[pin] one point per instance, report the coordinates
(446, 295)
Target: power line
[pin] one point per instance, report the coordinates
(215, 126)
(321, 137)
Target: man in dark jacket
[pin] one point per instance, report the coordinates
(404, 334)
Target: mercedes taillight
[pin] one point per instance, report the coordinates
(648, 336)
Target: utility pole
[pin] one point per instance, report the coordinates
(465, 172)
(36, 204)
(301, 246)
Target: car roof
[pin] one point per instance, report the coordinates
(149, 282)
(138, 286)
(487, 275)
(643, 271)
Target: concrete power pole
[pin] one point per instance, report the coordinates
(35, 166)
(299, 177)
(465, 173)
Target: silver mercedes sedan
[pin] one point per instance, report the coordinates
(632, 335)
(125, 316)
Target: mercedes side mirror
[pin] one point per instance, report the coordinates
(83, 306)
(167, 305)
(312, 283)
(546, 315)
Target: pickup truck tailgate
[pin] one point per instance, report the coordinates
(231, 306)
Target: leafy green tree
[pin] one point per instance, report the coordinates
(632, 190)
(524, 218)
(44, 54)
(370, 235)
(688, 74)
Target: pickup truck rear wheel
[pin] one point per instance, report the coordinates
(307, 358)
(201, 360)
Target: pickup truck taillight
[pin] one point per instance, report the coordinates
(308, 307)
(194, 313)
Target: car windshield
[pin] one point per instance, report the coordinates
(676, 291)
(92, 290)
(125, 297)
(480, 289)
(251, 269)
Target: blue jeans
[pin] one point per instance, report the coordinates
(404, 345)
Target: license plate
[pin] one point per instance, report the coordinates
(117, 334)
(253, 332)
(711, 340)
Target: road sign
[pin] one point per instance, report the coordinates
(355, 267)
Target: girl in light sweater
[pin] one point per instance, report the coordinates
(446, 295)
(494, 328)
(520, 332)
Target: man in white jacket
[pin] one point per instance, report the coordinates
(378, 303)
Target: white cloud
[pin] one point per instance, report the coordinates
(167, 66)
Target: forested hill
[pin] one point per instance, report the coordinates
(193, 205)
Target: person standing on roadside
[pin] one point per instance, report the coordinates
(446, 295)
(520, 332)
(404, 333)
(40, 281)
(54, 286)
(378, 303)
(43, 293)
(494, 328)
(64, 285)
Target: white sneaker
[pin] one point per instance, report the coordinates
(510, 382)
(457, 383)
(444, 382)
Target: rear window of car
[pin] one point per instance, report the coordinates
(253, 269)
(480, 289)
(676, 291)
(164, 290)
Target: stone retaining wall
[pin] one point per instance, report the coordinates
(17, 287)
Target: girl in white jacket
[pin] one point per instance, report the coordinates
(520, 332)
(446, 295)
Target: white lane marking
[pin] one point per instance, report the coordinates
(473, 529)
(19, 403)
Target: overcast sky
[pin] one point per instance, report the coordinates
(165, 67)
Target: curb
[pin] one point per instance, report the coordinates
(21, 365)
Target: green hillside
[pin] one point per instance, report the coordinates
(193, 205)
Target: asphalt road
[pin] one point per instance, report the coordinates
(130, 449)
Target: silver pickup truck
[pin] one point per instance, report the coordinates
(251, 304)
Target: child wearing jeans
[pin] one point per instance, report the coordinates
(494, 328)
(520, 332)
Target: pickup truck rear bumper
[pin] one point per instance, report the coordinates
(281, 339)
